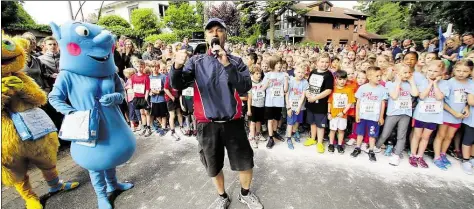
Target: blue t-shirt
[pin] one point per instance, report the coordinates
(403, 104)
(296, 90)
(430, 110)
(470, 120)
(291, 72)
(275, 94)
(157, 82)
(371, 101)
(457, 99)
(419, 78)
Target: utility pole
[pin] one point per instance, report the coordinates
(70, 10)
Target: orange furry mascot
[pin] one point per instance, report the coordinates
(20, 93)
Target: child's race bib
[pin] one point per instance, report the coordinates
(370, 107)
(258, 99)
(294, 104)
(277, 91)
(155, 84)
(188, 92)
(316, 80)
(139, 88)
(431, 107)
(460, 97)
(340, 100)
(403, 104)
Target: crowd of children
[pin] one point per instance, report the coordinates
(369, 100)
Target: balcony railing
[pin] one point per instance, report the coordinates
(291, 32)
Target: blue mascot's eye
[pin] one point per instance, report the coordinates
(10, 46)
(82, 31)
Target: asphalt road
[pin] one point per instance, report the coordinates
(168, 174)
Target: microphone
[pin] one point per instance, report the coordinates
(215, 41)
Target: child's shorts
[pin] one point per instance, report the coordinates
(456, 126)
(367, 125)
(320, 120)
(159, 110)
(132, 112)
(468, 139)
(173, 105)
(338, 123)
(421, 124)
(273, 113)
(258, 114)
(294, 118)
(188, 106)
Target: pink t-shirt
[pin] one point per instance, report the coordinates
(140, 84)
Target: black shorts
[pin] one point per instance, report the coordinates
(258, 114)
(173, 105)
(159, 109)
(468, 139)
(213, 137)
(273, 113)
(140, 103)
(320, 120)
(188, 106)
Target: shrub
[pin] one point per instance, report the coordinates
(112, 21)
(165, 37)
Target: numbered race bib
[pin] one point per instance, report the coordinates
(340, 100)
(277, 91)
(188, 92)
(294, 104)
(403, 104)
(431, 107)
(460, 97)
(139, 88)
(258, 98)
(316, 80)
(155, 84)
(370, 107)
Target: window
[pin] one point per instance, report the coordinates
(336, 26)
(347, 26)
(361, 27)
(162, 8)
(110, 12)
(343, 41)
(356, 27)
(130, 10)
(321, 7)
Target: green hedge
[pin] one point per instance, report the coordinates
(165, 37)
(38, 27)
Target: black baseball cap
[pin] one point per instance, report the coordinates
(215, 21)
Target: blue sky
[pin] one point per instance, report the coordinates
(44, 12)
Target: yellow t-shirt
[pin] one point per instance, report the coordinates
(340, 98)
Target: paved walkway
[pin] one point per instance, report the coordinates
(168, 174)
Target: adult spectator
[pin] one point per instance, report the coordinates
(187, 47)
(50, 60)
(168, 53)
(450, 52)
(127, 52)
(406, 45)
(468, 41)
(118, 59)
(151, 53)
(157, 47)
(395, 49)
(34, 67)
(221, 124)
(434, 45)
(424, 46)
(354, 46)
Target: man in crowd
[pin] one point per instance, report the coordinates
(468, 40)
(151, 53)
(187, 47)
(50, 60)
(218, 111)
(395, 49)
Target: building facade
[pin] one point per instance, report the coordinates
(323, 23)
(124, 8)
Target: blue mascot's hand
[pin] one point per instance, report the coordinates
(111, 99)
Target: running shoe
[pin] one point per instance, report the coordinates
(439, 163)
(331, 148)
(467, 168)
(270, 143)
(394, 160)
(148, 132)
(340, 149)
(445, 160)
(175, 136)
(290, 144)
(253, 142)
(195, 133)
(222, 203)
(372, 156)
(377, 150)
(388, 150)
(356, 152)
(297, 136)
(472, 161)
(422, 163)
(277, 136)
(320, 148)
(309, 142)
(261, 138)
(251, 200)
(364, 147)
(351, 142)
(413, 161)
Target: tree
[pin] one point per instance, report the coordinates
(145, 21)
(273, 8)
(113, 20)
(228, 13)
(14, 14)
(182, 17)
(248, 17)
(92, 18)
(459, 13)
(200, 12)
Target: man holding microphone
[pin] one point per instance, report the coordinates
(218, 78)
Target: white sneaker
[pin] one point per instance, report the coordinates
(364, 147)
(261, 138)
(467, 168)
(377, 150)
(264, 128)
(253, 143)
(394, 160)
(351, 142)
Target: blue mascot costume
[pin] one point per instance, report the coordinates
(88, 69)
